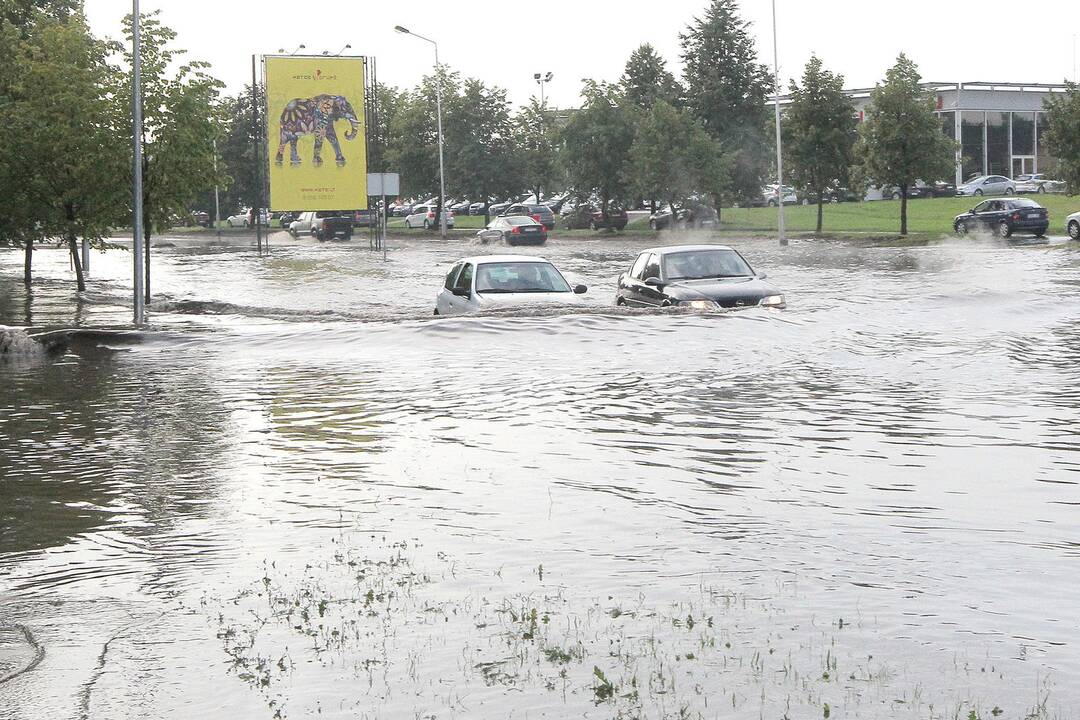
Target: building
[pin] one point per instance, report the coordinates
(999, 125)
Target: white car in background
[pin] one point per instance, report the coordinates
(788, 195)
(495, 282)
(1038, 184)
(1072, 225)
(424, 216)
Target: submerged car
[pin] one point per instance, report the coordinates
(516, 230)
(1004, 217)
(1072, 225)
(493, 282)
(703, 277)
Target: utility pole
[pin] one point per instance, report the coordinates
(256, 128)
(217, 201)
(137, 190)
(779, 140)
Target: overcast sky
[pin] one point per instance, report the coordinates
(506, 43)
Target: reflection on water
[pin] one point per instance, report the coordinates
(303, 494)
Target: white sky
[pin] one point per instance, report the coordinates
(505, 43)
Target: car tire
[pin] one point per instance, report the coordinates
(1004, 231)
(961, 228)
(436, 311)
(978, 192)
(772, 203)
(1009, 191)
(1074, 229)
(1041, 190)
(896, 196)
(619, 301)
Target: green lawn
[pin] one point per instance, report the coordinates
(925, 215)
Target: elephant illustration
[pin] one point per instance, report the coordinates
(316, 116)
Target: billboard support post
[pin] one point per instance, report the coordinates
(256, 207)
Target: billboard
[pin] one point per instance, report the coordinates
(317, 138)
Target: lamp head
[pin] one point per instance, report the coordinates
(536, 76)
(403, 31)
(547, 78)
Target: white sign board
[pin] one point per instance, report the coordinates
(383, 184)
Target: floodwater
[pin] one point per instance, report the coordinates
(301, 495)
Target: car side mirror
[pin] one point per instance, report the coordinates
(580, 289)
(762, 276)
(654, 282)
(461, 292)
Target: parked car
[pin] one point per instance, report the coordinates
(987, 185)
(365, 218)
(704, 277)
(557, 202)
(591, 217)
(768, 195)
(692, 214)
(200, 218)
(514, 230)
(461, 207)
(916, 191)
(497, 208)
(539, 213)
(833, 194)
(284, 218)
(1072, 225)
(1005, 217)
(311, 223)
(240, 219)
(492, 282)
(1038, 184)
(424, 216)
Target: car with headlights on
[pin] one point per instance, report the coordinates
(703, 277)
(501, 282)
(516, 230)
(1072, 225)
(1004, 217)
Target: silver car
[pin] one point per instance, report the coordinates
(987, 185)
(1072, 225)
(1038, 184)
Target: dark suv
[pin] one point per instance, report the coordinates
(540, 213)
(592, 218)
(1005, 217)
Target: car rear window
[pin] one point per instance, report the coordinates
(520, 220)
(1024, 203)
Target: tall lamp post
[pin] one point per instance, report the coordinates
(137, 189)
(438, 105)
(779, 140)
(541, 80)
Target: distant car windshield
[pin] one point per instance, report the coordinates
(520, 277)
(701, 264)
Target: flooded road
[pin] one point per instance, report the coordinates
(301, 494)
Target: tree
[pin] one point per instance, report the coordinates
(537, 144)
(68, 173)
(596, 146)
(237, 164)
(819, 132)
(901, 139)
(727, 89)
(484, 159)
(646, 79)
(1062, 136)
(674, 158)
(180, 106)
(417, 157)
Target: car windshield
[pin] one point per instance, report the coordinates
(520, 277)
(701, 264)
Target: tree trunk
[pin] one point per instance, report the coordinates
(903, 209)
(820, 211)
(28, 260)
(73, 246)
(604, 211)
(146, 269)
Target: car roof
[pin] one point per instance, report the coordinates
(487, 259)
(684, 248)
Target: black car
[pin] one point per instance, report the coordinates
(692, 214)
(515, 230)
(540, 213)
(1005, 216)
(704, 277)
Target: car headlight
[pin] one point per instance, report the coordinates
(698, 304)
(773, 301)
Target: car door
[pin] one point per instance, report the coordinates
(493, 233)
(630, 281)
(650, 295)
(461, 297)
(443, 299)
(990, 214)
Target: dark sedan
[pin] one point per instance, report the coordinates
(516, 230)
(703, 277)
(1005, 217)
(693, 215)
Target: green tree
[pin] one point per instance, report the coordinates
(484, 160)
(646, 79)
(819, 133)
(596, 146)
(727, 88)
(180, 124)
(901, 139)
(537, 144)
(673, 158)
(67, 172)
(237, 164)
(1062, 136)
(417, 156)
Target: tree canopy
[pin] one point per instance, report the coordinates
(1062, 136)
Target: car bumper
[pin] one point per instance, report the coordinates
(538, 239)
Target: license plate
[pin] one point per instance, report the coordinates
(530, 229)
(1033, 216)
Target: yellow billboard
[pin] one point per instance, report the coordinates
(317, 137)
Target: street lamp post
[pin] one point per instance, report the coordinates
(541, 80)
(137, 189)
(779, 140)
(438, 105)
